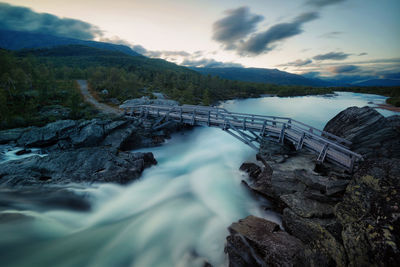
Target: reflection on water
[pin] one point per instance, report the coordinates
(175, 215)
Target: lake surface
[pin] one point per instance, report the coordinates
(177, 214)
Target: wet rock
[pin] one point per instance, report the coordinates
(255, 241)
(251, 168)
(370, 214)
(88, 134)
(23, 152)
(326, 185)
(372, 134)
(305, 207)
(11, 135)
(322, 248)
(45, 136)
(97, 164)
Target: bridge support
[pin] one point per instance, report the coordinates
(254, 130)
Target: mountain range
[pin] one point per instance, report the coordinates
(15, 40)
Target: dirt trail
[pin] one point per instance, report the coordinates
(83, 86)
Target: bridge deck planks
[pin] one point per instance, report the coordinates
(333, 149)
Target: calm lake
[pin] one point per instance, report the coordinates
(177, 214)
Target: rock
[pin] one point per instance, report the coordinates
(251, 168)
(255, 241)
(55, 111)
(22, 152)
(322, 248)
(370, 214)
(372, 134)
(305, 207)
(11, 135)
(45, 136)
(146, 101)
(122, 138)
(271, 150)
(88, 165)
(89, 134)
(326, 185)
(114, 101)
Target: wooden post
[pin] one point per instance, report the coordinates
(282, 134)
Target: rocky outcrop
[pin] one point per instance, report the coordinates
(341, 219)
(88, 165)
(372, 134)
(255, 241)
(370, 214)
(119, 133)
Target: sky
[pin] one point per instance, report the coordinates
(316, 38)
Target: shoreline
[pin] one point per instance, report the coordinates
(388, 107)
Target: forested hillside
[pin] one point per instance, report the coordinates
(38, 86)
(125, 76)
(34, 93)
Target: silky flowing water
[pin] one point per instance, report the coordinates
(176, 214)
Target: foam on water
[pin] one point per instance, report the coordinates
(176, 214)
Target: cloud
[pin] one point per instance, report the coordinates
(164, 54)
(24, 19)
(209, 63)
(344, 69)
(363, 54)
(298, 63)
(322, 3)
(140, 49)
(265, 41)
(332, 56)
(238, 24)
(331, 35)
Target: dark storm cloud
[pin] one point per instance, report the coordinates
(332, 56)
(344, 69)
(322, 3)
(265, 41)
(208, 63)
(238, 24)
(24, 19)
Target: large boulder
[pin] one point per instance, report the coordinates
(120, 133)
(255, 241)
(45, 136)
(11, 135)
(370, 214)
(88, 165)
(372, 134)
(320, 237)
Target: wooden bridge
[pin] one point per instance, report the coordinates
(253, 129)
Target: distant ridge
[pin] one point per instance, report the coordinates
(378, 82)
(260, 75)
(17, 40)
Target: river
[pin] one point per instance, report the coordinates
(177, 214)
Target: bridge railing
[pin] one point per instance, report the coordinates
(276, 126)
(275, 120)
